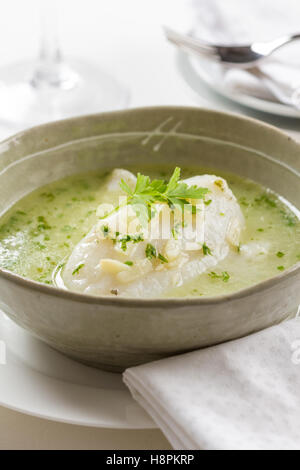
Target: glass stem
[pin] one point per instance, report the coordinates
(51, 71)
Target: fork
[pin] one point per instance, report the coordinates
(239, 56)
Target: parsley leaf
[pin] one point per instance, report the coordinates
(224, 276)
(150, 251)
(206, 250)
(147, 192)
(76, 270)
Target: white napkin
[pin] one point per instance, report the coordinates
(240, 395)
(236, 21)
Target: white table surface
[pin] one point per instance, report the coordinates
(125, 38)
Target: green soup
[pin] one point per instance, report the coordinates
(39, 232)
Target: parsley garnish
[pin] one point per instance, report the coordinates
(220, 184)
(280, 254)
(105, 230)
(150, 251)
(162, 258)
(224, 276)
(147, 192)
(129, 263)
(206, 250)
(280, 268)
(76, 270)
(290, 219)
(126, 239)
(265, 198)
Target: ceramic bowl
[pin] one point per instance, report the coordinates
(115, 333)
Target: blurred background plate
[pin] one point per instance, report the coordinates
(198, 71)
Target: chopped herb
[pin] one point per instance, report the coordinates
(220, 184)
(222, 214)
(76, 270)
(21, 213)
(129, 263)
(124, 240)
(224, 276)
(137, 238)
(280, 254)
(289, 218)
(162, 258)
(266, 199)
(105, 230)
(174, 233)
(280, 268)
(238, 248)
(40, 246)
(150, 251)
(206, 250)
(243, 201)
(49, 196)
(260, 230)
(207, 203)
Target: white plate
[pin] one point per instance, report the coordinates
(195, 70)
(39, 381)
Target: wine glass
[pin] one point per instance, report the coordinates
(52, 88)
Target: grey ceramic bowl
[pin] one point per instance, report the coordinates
(114, 333)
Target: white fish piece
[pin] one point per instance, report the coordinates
(253, 249)
(145, 262)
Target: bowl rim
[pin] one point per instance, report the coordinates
(151, 302)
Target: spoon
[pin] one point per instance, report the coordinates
(238, 55)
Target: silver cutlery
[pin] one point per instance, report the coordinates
(239, 55)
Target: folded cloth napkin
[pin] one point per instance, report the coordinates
(240, 395)
(236, 22)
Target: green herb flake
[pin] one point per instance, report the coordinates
(280, 268)
(207, 203)
(174, 234)
(105, 230)
(76, 270)
(280, 254)
(206, 250)
(220, 184)
(266, 199)
(289, 219)
(224, 276)
(150, 251)
(162, 258)
(129, 263)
